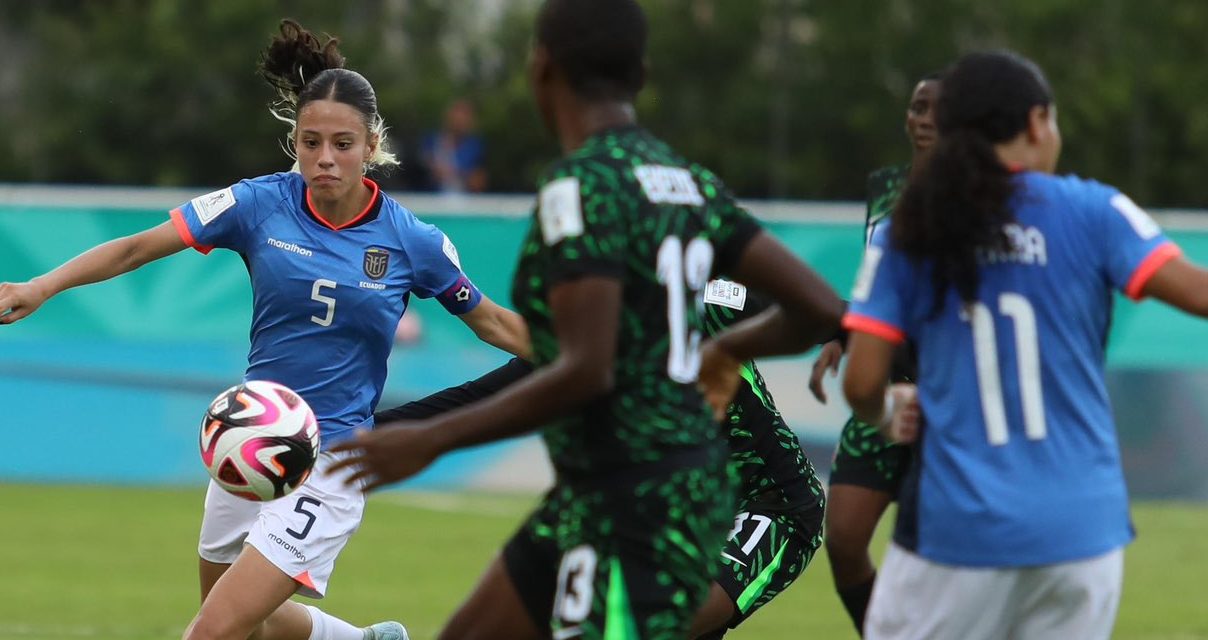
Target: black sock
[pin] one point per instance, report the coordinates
(855, 599)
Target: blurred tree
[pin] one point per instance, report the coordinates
(783, 98)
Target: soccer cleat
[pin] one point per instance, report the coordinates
(386, 631)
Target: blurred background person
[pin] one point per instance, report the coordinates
(866, 471)
(454, 155)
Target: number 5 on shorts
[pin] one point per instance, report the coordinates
(310, 516)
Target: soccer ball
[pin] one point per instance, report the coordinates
(259, 440)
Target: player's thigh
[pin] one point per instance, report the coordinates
(852, 515)
(246, 595)
(713, 619)
(495, 609)
(516, 593)
(208, 574)
(764, 554)
(1071, 599)
(916, 599)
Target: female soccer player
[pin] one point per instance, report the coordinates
(867, 471)
(1002, 275)
(332, 262)
(625, 236)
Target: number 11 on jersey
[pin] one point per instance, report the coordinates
(1027, 354)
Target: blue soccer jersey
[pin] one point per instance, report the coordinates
(326, 300)
(1020, 464)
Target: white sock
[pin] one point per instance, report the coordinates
(328, 627)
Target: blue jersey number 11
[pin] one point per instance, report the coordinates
(1027, 353)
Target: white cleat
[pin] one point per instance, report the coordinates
(386, 631)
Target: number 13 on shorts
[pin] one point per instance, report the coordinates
(576, 580)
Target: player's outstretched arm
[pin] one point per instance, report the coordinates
(1180, 284)
(455, 397)
(499, 327)
(586, 314)
(102, 262)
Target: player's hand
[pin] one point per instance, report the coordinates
(828, 359)
(18, 300)
(718, 379)
(902, 415)
(386, 455)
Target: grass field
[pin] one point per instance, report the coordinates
(120, 564)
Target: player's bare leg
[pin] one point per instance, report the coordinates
(852, 514)
(714, 616)
(249, 600)
(494, 610)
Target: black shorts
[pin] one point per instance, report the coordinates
(766, 551)
(640, 558)
(864, 458)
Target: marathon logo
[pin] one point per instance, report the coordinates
(290, 247)
(288, 547)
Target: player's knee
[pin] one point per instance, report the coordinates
(210, 627)
(847, 548)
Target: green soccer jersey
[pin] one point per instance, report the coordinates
(884, 187)
(764, 449)
(626, 206)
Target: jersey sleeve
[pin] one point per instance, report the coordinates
(733, 229)
(877, 299)
(582, 220)
(437, 268)
(738, 228)
(1132, 246)
(456, 397)
(221, 218)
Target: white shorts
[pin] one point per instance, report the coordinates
(301, 534)
(915, 598)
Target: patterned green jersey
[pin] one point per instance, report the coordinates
(626, 206)
(884, 187)
(764, 449)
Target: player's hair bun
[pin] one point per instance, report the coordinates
(296, 56)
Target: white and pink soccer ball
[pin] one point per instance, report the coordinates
(259, 440)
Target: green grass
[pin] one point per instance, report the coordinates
(120, 564)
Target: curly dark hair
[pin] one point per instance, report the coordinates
(959, 201)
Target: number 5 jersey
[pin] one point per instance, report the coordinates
(325, 300)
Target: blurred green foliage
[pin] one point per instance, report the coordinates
(783, 98)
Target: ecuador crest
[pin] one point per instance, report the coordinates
(376, 262)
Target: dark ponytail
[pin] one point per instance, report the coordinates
(303, 69)
(956, 205)
(296, 56)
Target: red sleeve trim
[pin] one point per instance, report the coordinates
(1156, 259)
(878, 328)
(182, 228)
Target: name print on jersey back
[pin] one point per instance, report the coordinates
(668, 185)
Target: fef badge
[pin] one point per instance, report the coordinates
(376, 261)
